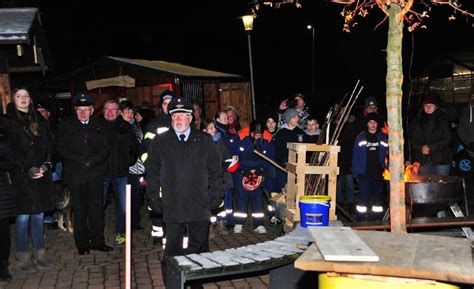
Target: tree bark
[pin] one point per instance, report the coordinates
(394, 81)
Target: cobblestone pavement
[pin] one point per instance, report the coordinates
(106, 270)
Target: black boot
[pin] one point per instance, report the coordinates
(4, 274)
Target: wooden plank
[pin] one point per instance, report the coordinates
(416, 223)
(342, 244)
(410, 256)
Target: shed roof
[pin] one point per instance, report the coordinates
(15, 24)
(174, 68)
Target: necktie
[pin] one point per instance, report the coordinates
(182, 137)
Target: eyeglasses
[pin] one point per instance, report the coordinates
(83, 110)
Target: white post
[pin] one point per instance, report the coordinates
(128, 235)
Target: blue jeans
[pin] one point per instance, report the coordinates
(119, 185)
(37, 231)
(345, 196)
(429, 169)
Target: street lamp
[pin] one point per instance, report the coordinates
(248, 26)
(313, 73)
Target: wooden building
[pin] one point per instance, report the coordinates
(144, 80)
(23, 48)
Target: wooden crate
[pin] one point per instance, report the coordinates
(297, 171)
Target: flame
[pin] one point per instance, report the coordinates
(410, 175)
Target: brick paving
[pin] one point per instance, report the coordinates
(101, 270)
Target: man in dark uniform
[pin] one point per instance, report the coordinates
(156, 126)
(184, 164)
(82, 143)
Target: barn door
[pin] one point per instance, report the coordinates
(211, 99)
(237, 94)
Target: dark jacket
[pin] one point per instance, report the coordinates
(432, 130)
(359, 156)
(154, 127)
(224, 155)
(123, 147)
(33, 196)
(283, 137)
(7, 165)
(84, 149)
(186, 172)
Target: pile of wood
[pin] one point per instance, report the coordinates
(335, 120)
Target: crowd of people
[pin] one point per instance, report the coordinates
(201, 175)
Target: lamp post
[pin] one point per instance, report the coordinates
(313, 73)
(248, 26)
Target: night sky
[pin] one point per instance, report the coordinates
(209, 34)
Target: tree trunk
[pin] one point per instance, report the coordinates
(394, 81)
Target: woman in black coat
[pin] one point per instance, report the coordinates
(7, 198)
(33, 151)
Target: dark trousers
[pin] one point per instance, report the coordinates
(134, 181)
(4, 239)
(198, 234)
(370, 189)
(88, 213)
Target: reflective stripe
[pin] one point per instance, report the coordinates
(241, 149)
(229, 211)
(156, 234)
(258, 215)
(384, 144)
(213, 219)
(377, 209)
(240, 215)
(149, 135)
(361, 209)
(144, 157)
(270, 208)
(363, 143)
(221, 214)
(161, 130)
(185, 242)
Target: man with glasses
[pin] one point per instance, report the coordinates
(185, 182)
(82, 143)
(123, 154)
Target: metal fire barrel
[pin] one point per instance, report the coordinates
(432, 194)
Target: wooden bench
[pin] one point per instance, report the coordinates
(276, 256)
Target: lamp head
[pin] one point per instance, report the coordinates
(248, 22)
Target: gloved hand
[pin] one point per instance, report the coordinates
(33, 171)
(155, 206)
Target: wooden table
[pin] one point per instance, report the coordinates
(411, 256)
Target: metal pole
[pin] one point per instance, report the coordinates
(252, 89)
(314, 71)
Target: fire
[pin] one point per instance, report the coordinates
(411, 173)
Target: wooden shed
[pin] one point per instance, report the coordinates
(144, 80)
(23, 48)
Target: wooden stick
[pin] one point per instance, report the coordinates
(270, 160)
(128, 234)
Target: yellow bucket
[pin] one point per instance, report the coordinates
(377, 282)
